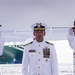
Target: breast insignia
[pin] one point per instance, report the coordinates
(49, 43)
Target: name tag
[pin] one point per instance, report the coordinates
(32, 50)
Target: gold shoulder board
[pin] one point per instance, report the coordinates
(49, 43)
(28, 43)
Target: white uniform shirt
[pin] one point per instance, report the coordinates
(34, 62)
(71, 39)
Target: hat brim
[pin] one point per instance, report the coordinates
(37, 29)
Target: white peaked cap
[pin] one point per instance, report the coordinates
(42, 24)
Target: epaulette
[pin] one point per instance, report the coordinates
(49, 43)
(28, 43)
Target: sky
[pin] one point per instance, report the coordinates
(21, 14)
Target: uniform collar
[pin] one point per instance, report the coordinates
(39, 42)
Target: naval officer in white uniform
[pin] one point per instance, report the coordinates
(71, 40)
(71, 37)
(39, 57)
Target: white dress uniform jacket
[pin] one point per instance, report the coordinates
(71, 39)
(39, 59)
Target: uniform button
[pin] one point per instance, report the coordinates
(39, 45)
(39, 59)
(39, 52)
(38, 66)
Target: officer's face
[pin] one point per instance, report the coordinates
(39, 35)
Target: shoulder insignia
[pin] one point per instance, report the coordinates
(49, 43)
(28, 43)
